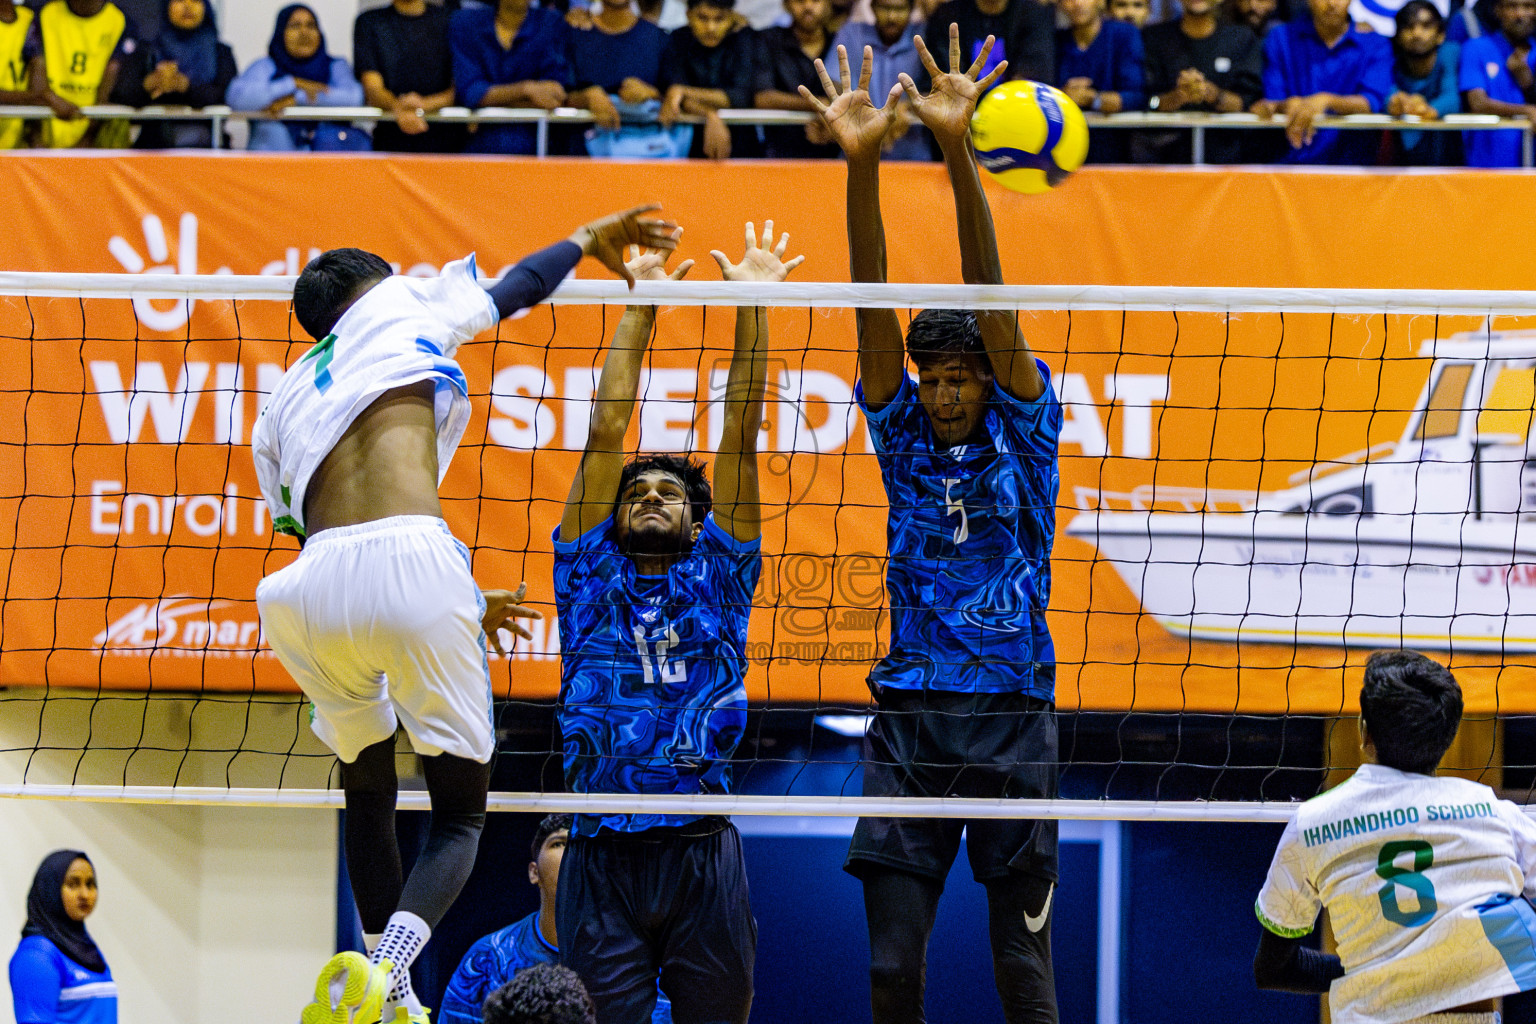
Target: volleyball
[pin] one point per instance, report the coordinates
(1029, 136)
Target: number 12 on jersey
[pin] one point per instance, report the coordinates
(670, 672)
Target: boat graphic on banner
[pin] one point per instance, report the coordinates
(1428, 541)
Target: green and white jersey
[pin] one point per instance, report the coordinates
(1426, 882)
(401, 331)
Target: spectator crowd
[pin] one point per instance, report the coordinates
(655, 93)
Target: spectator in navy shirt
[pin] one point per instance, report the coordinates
(1199, 63)
(510, 55)
(890, 42)
(1025, 31)
(1321, 65)
(402, 59)
(617, 58)
(710, 65)
(1424, 72)
(1100, 65)
(787, 60)
(1497, 78)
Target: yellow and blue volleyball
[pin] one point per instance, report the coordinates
(1029, 136)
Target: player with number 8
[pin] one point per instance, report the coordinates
(1427, 880)
(654, 576)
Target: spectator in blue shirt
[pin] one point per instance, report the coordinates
(1497, 78)
(1319, 65)
(58, 976)
(1100, 64)
(1424, 72)
(890, 40)
(298, 70)
(616, 58)
(509, 55)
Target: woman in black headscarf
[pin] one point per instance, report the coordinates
(298, 70)
(58, 976)
(185, 66)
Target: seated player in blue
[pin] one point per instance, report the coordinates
(654, 592)
(491, 962)
(964, 701)
(58, 975)
(1498, 76)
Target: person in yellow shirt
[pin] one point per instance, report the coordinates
(74, 52)
(15, 23)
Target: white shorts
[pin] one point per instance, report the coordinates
(380, 624)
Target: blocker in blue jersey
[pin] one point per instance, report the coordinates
(654, 575)
(965, 699)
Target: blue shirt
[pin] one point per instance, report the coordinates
(537, 54)
(1440, 91)
(969, 539)
(256, 89)
(890, 62)
(653, 694)
(48, 987)
(604, 60)
(1115, 61)
(1296, 63)
(491, 963)
(1484, 66)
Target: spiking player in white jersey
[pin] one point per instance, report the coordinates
(1427, 881)
(379, 620)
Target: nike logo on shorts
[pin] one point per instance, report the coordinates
(1036, 922)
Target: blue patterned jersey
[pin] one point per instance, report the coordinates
(491, 963)
(969, 539)
(653, 669)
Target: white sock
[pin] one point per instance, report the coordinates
(371, 942)
(401, 943)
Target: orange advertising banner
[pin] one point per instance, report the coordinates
(1249, 502)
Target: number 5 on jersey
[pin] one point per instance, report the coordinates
(956, 506)
(670, 672)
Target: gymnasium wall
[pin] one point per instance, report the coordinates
(205, 914)
(119, 516)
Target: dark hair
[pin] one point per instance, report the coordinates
(1411, 9)
(1411, 707)
(724, 5)
(330, 283)
(935, 334)
(551, 824)
(688, 472)
(541, 994)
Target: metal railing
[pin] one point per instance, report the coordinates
(1196, 123)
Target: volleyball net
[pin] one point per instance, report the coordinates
(1258, 488)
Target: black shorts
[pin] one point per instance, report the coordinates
(664, 903)
(933, 744)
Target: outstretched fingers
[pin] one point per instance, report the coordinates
(891, 100)
(997, 72)
(812, 98)
(722, 259)
(827, 85)
(954, 46)
(904, 82)
(926, 57)
(681, 271)
(842, 67)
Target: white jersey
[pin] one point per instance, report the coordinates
(1425, 880)
(401, 331)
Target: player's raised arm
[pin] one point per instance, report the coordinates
(859, 127)
(531, 281)
(735, 487)
(946, 111)
(596, 486)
